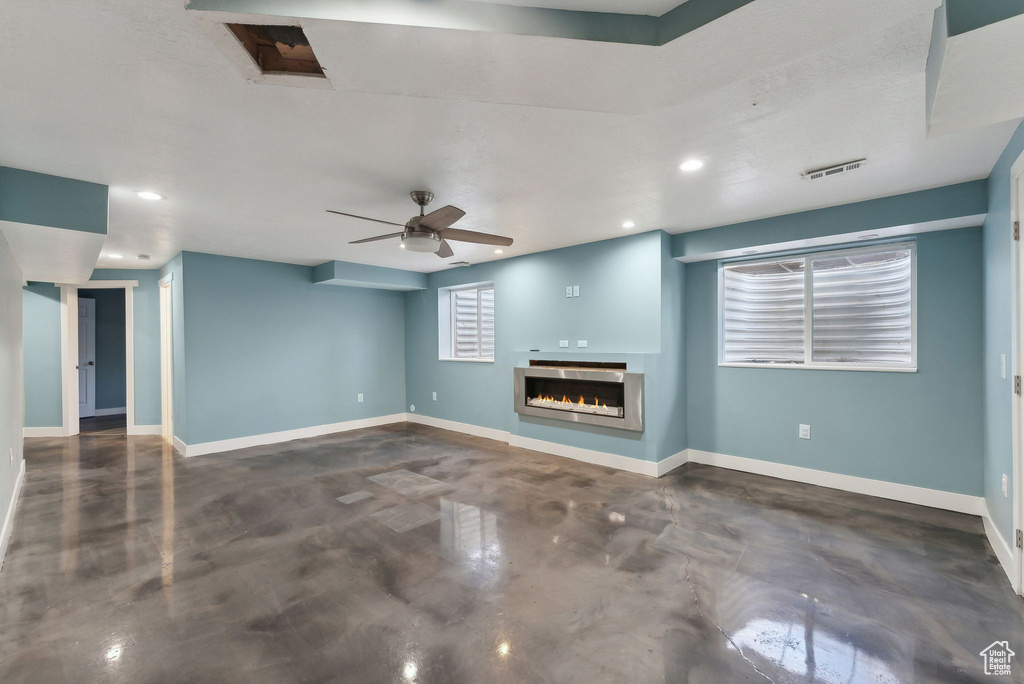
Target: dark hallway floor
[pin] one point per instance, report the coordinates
(103, 425)
(456, 559)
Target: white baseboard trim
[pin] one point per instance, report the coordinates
(476, 430)
(8, 528)
(1003, 550)
(179, 446)
(933, 498)
(43, 432)
(145, 430)
(632, 465)
(204, 448)
(672, 462)
(111, 411)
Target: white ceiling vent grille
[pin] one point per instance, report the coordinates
(835, 170)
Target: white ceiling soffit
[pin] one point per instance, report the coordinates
(552, 142)
(52, 255)
(653, 8)
(874, 234)
(980, 78)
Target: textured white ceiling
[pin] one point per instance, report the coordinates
(553, 142)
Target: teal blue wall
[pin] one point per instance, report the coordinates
(621, 312)
(146, 334)
(922, 429)
(268, 350)
(968, 15)
(43, 200)
(998, 324)
(41, 334)
(12, 406)
(110, 347)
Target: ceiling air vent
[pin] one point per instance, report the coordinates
(460, 263)
(835, 170)
(278, 49)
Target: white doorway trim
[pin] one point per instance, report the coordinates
(166, 359)
(69, 351)
(1017, 326)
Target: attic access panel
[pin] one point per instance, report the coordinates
(278, 49)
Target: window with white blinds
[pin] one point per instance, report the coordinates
(852, 308)
(472, 323)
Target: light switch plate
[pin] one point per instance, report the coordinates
(805, 432)
(563, 343)
(575, 290)
(568, 290)
(359, 397)
(435, 396)
(581, 343)
(1002, 365)
(1006, 486)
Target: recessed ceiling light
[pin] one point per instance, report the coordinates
(401, 245)
(150, 195)
(499, 251)
(116, 256)
(628, 225)
(691, 165)
(869, 236)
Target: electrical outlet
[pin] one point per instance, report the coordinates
(1002, 365)
(568, 290)
(359, 397)
(1006, 486)
(412, 408)
(581, 343)
(805, 432)
(435, 396)
(564, 344)
(575, 290)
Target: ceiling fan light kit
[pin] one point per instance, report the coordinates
(430, 232)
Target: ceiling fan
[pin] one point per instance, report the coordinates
(431, 232)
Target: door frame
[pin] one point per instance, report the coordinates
(166, 358)
(69, 351)
(1017, 327)
(90, 392)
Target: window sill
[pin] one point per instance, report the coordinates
(823, 366)
(468, 360)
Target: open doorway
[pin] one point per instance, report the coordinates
(102, 362)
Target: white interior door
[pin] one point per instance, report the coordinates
(86, 358)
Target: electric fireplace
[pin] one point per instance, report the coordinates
(594, 393)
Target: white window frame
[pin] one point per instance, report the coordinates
(809, 363)
(446, 322)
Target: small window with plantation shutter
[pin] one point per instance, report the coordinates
(848, 309)
(472, 323)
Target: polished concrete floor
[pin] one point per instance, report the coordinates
(409, 554)
(103, 425)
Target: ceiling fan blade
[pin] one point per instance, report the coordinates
(442, 218)
(445, 250)
(473, 236)
(366, 218)
(373, 239)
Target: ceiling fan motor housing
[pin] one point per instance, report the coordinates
(421, 240)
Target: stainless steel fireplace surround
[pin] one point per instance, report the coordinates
(592, 395)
